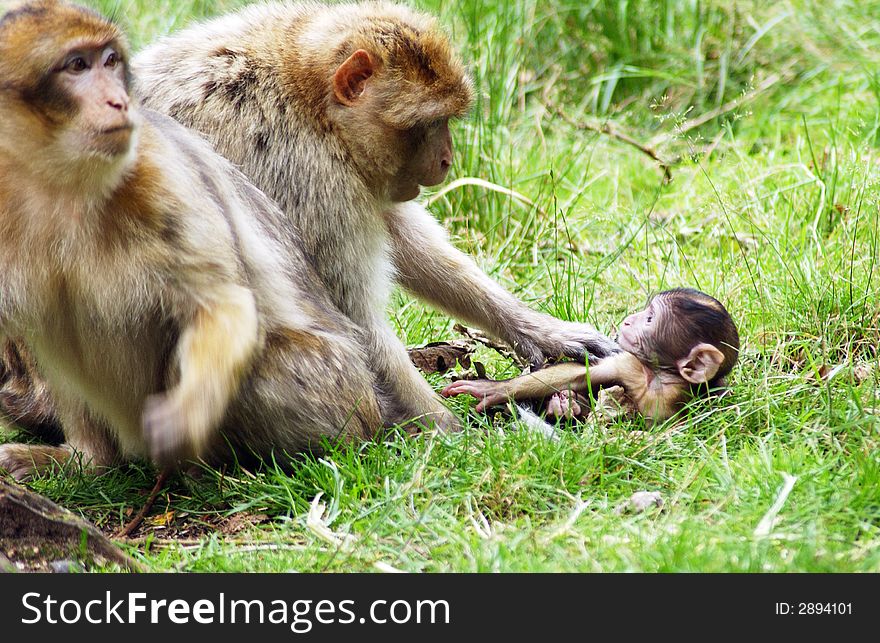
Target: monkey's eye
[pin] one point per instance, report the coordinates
(112, 60)
(76, 65)
(650, 317)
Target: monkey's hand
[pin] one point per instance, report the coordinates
(489, 392)
(213, 353)
(551, 339)
(167, 429)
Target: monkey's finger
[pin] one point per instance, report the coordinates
(489, 401)
(462, 387)
(452, 389)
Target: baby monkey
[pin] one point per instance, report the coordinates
(680, 346)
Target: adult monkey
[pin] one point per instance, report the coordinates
(340, 113)
(149, 276)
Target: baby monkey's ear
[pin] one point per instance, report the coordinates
(701, 364)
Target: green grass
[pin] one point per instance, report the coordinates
(773, 208)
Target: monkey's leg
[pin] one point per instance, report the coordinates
(406, 397)
(430, 267)
(306, 389)
(213, 353)
(88, 442)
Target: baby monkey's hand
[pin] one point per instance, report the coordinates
(489, 392)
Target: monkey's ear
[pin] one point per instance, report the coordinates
(350, 80)
(701, 364)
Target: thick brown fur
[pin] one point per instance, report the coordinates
(171, 314)
(259, 85)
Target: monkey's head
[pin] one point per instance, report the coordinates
(64, 82)
(396, 85)
(683, 331)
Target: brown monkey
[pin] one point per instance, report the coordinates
(340, 113)
(148, 276)
(682, 344)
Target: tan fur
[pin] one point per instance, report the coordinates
(259, 85)
(147, 292)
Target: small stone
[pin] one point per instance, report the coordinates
(641, 501)
(65, 567)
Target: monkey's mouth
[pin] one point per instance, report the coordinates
(118, 129)
(112, 141)
(625, 342)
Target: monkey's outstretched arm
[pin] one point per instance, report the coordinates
(213, 353)
(430, 267)
(568, 376)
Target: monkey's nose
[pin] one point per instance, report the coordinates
(119, 102)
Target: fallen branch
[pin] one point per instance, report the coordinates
(488, 342)
(727, 107)
(610, 130)
(135, 522)
(38, 535)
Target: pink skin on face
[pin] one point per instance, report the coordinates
(637, 326)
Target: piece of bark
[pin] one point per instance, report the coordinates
(36, 533)
(439, 357)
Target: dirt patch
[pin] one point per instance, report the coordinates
(38, 535)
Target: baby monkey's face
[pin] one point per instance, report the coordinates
(638, 332)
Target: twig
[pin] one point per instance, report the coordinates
(135, 522)
(610, 130)
(193, 543)
(477, 336)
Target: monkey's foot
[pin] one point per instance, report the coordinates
(24, 462)
(565, 404)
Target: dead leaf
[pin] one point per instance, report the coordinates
(241, 521)
(477, 336)
(825, 373)
(162, 520)
(863, 372)
(439, 357)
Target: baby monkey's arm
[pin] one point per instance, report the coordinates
(568, 376)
